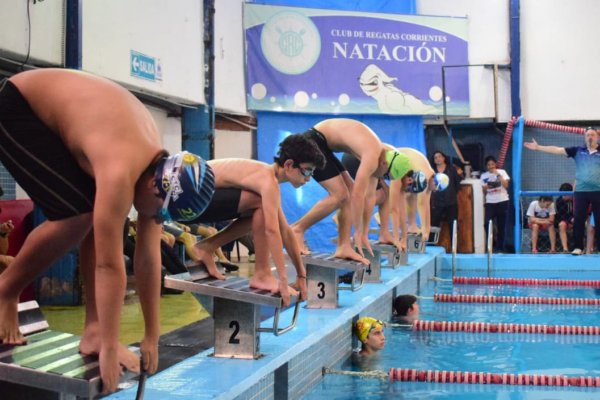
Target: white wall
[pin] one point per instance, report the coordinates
(168, 127)
(169, 32)
(233, 144)
(489, 43)
(47, 28)
(230, 94)
(560, 59)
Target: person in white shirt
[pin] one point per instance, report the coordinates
(495, 184)
(540, 216)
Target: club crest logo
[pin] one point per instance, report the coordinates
(290, 42)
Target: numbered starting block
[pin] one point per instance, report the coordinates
(322, 274)
(415, 243)
(434, 235)
(236, 311)
(50, 360)
(395, 257)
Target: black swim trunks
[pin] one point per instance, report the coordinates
(223, 206)
(39, 161)
(351, 164)
(333, 166)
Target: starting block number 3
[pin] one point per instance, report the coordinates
(321, 292)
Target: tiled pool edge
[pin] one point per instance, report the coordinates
(294, 361)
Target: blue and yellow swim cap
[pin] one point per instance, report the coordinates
(186, 183)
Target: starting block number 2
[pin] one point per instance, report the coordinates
(235, 325)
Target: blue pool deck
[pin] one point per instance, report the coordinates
(292, 363)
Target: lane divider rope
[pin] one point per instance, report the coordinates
(466, 298)
(525, 281)
(466, 377)
(413, 375)
(486, 327)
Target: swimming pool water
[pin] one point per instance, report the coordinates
(571, 355)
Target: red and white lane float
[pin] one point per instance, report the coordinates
(413, 375)
(525, 282)
(486, 327)
(533, 123)
(466, 298)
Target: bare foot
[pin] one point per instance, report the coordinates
(9, 323)
(385, 237)
(90, 344)
(348, 254)
(413, 229)
(211, 267)
(204, 255)
(265, 282)
(304, 250)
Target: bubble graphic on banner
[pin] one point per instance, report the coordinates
(290, 42)
(258, 91)
(314, 96)
(301, 99)
(344, 99)
(272, 99)
(435, 93)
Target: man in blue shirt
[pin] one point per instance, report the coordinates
(587, 181)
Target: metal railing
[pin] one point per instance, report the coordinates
(490, 246)
(454, 247)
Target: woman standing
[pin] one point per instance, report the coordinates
(444, 204)
(495, 184)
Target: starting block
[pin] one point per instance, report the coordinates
(434, 235)
(236, 310)
(50, 360)
(415, 243)
(322, 272)
(396, 258)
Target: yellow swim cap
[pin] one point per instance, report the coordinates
(398, 164)
(365, 325)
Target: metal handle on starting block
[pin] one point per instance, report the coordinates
(353, 286)
(275, 329)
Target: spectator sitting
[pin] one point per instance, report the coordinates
(564, 215)
(5, 229)
(248, 241)
(540, 216)
(369, 332)
(406, 309)
(186, 235)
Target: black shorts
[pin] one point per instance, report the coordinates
(223, 206)
(333, 166)
(39, 161)
(351, 164)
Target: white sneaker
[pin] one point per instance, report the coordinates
(251, 258)
(577, 252)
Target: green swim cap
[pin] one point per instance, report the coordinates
(398, 164)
